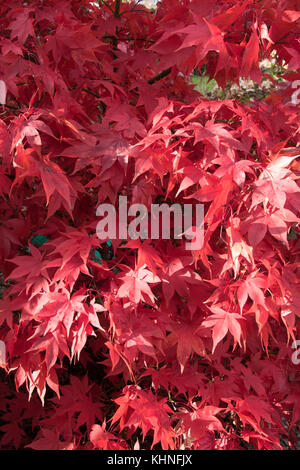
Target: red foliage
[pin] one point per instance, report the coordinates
(145, 344)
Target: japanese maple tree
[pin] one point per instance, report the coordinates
(142, 344)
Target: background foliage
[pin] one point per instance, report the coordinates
(131, 344)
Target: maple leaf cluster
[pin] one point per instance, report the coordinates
(141, 344)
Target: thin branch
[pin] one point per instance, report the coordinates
(11, 107)
(110, 36)
(91, 92)
(159, 76)
(132, 9)
(136, 39)
(117, 8)
(14, 209)
(108, 6)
